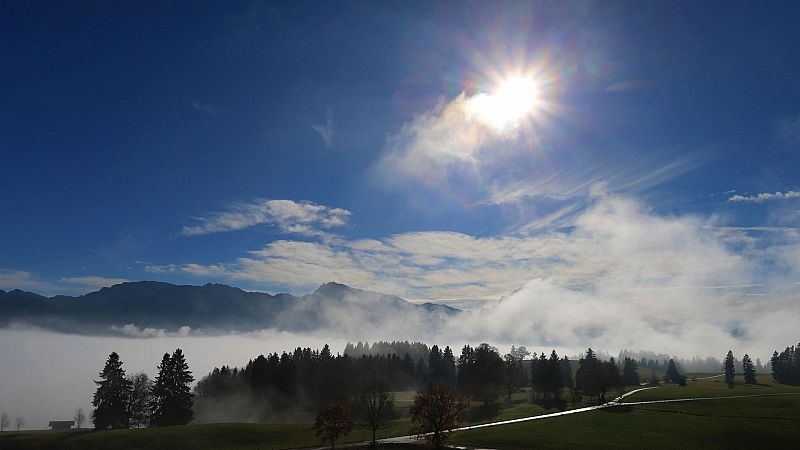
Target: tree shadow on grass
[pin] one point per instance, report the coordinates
(482, 412)
(618, 409)
(78, 433)
(559, 404)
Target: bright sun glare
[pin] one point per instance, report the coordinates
(513, 99)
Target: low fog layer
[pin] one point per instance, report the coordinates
(46, 376)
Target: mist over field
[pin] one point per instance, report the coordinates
(46, 376)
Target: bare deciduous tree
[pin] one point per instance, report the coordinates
(4, 421)
(374, 407)
(20, 422)
(140, 399)
(80, 417)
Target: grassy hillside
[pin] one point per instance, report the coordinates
(727, 424)
(239, 436)
(724, 423)
(713, 387)
(762, 422)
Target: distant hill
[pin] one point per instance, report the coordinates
(215, 307)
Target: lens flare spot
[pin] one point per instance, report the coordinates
(514, 99)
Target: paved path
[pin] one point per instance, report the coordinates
(706, 378)
(615, 402)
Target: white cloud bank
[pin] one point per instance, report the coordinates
(765, 197)
(622, 277)
(288, 215)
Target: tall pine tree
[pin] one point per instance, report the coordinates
(729, 368)
(630, 373)
(172, 397)
(588, 378)
(749, 370)
(449, 363)
(111, 397)
(673, 376)
(566, 374)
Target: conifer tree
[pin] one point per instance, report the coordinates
(630, 373)
(182, 391)
(588, 379)
(553, 371)
(465, 363)
(541, 369)
(111, 397)
(566, 374)
(435, 366)
(536, 377)
(749, 370)
(171, 396)
(729, 368)
(672, 375)
(449, 363)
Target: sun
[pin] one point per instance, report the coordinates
(512, 100)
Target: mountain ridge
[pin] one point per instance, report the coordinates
(213, 306)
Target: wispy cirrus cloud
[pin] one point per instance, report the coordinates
(765, 197)
(288, 216)
(205, 108)
(453, 150)
(325, 130)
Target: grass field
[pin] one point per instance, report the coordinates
(751, 423)
(725, 423)
(714, 387)
(237, 436)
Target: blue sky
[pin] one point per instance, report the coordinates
(277, 145)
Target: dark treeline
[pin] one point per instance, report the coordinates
(292, 385)
(295, 385)
(786, 366)
(415, 350)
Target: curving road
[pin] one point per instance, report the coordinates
(615, 402)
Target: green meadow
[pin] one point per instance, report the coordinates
(752, 423)
(742, 423)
